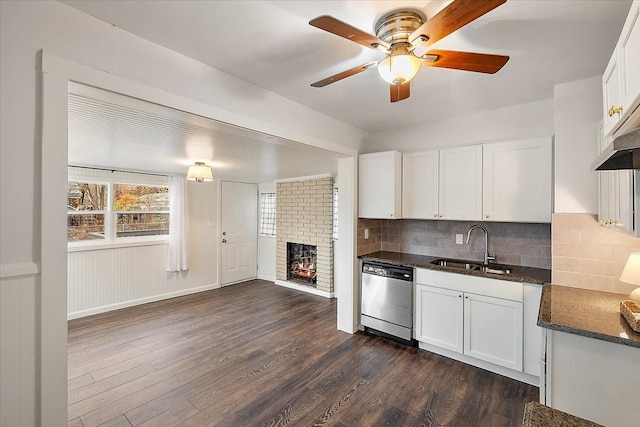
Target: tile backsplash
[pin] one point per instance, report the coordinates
(586, 255)
(512, 243)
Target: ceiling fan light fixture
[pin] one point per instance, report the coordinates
(199, 173)
(399, 67)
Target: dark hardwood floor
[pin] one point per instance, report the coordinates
(256, 354)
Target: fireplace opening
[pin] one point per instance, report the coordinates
(302, 263)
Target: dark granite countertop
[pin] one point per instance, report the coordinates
(592, 314)
(539, 415)
(518, 273)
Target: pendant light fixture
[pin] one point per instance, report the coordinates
(199, 173)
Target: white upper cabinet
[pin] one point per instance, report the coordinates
(611, 95)
(380, 185)
(621, 79)
(517, 180)
(420, 185)
(629, 56)
(460, 183)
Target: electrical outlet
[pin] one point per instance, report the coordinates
(458, 239)
(366, 233)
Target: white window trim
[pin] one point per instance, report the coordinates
(111, 241)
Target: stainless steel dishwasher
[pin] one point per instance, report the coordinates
(386, 299)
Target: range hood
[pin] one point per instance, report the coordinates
(622, 153)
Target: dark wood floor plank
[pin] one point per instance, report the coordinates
(170, 417)
(259, 354)
(97, 387)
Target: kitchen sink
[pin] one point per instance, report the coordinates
(461, 264)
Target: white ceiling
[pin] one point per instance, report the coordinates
(270, 44)
(115, 131)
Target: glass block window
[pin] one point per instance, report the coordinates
(268, 214)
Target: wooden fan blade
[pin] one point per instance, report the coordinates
(454, 16)
(400, 92)
(468, 61)
(343, 75)
(342, 29)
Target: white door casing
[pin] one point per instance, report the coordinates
(238, 232)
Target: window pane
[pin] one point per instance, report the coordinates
(142, 224)
(84, 196)
(268, 214)
(140, 198)
(85, 227)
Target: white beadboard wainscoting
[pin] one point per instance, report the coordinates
(18, 349)
(112, 278)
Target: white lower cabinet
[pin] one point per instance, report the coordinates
(439, 319)
(493, 330)
(532, 332)
(481, 321)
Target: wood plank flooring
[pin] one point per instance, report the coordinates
(256, 354)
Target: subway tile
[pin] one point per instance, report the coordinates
(579, 280)
(567, 264)
(602, 268)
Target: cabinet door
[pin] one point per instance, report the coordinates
(439, 317)
(611, 96)
(623, 196)
(460, 183)
(605, 197)
(532, 332)
(517, 180)
(379, 185)
(629, 57)
(493, 330)
(420, 185)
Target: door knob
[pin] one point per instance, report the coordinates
(224, 233)
(224, 240)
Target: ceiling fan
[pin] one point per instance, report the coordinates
(403, 35)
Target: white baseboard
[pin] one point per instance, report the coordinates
(267, 278)
(140, 301)
(302, 288)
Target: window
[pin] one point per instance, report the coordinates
(267, 214)
(141, 210)
(106, 213)
(86, 211)
(335, 213)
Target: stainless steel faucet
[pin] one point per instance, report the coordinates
(487, 258)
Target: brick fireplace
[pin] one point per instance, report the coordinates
(305, 219)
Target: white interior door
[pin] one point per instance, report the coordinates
(238, 232)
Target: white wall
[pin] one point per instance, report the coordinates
(577, 112)
(26, 27)
(108, 279)
(18, 328)
(266, 244)
(518, 121)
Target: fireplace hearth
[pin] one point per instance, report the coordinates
(302, 262)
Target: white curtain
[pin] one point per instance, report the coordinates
(177, 255)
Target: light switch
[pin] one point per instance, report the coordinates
(458, 239)
(366, 233)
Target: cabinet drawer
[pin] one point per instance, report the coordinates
(466, 283)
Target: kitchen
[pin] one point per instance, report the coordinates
(569, 113)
